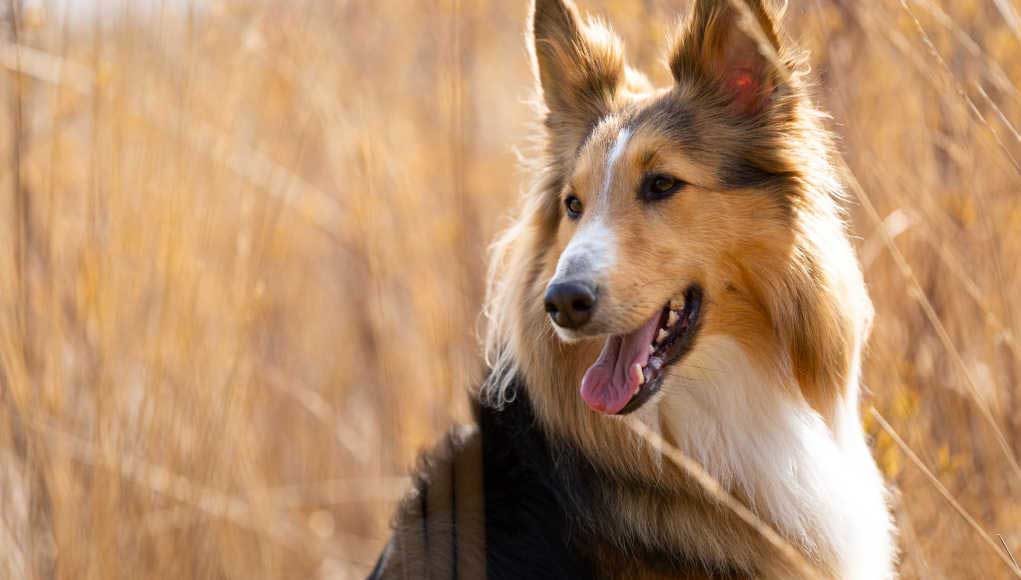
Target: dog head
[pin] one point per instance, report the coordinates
(665, 216)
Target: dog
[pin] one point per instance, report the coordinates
(682, 261)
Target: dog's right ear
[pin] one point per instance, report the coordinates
(580, 69)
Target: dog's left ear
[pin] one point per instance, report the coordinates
(734, 44)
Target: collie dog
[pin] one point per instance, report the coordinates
(682, 260)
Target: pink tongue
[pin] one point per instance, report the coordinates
(610, 383)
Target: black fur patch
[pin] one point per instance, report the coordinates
(528, 533)
(675, 118)
(740, 173)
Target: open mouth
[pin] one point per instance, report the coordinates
(631, 368)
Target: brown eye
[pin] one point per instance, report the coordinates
(663, 184)
(574, 207)
(659, 186)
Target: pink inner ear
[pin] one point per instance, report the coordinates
(746, 88)
(743, 81)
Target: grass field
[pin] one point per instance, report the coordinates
(242, 248)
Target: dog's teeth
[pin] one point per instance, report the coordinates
(661, 336)
(656, 363)
(672, 320)
(637, 369)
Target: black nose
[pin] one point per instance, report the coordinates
(571, 304)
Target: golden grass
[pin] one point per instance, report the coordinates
(242, 249)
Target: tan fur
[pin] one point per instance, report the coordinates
(778, 271)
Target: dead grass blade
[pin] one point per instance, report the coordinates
(917, 294)
(943, 491)
(284, 185)
(931, 46)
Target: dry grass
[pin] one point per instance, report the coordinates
(243, 245)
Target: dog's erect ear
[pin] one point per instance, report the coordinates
(733, 43)
(580, 67)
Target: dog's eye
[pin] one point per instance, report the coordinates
(574, 207)
(658, 186)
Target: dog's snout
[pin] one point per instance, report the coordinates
(571, 304)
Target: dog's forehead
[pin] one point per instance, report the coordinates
(666, 118)
(671, 115)
(605, 136)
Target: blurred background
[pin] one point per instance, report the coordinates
(242, 250)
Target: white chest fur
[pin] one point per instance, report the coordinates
(819, 489)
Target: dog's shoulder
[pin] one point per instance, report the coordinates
(485, 503)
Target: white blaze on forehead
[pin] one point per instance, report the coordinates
(592, 251)
(616, 152)
(590, 254)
